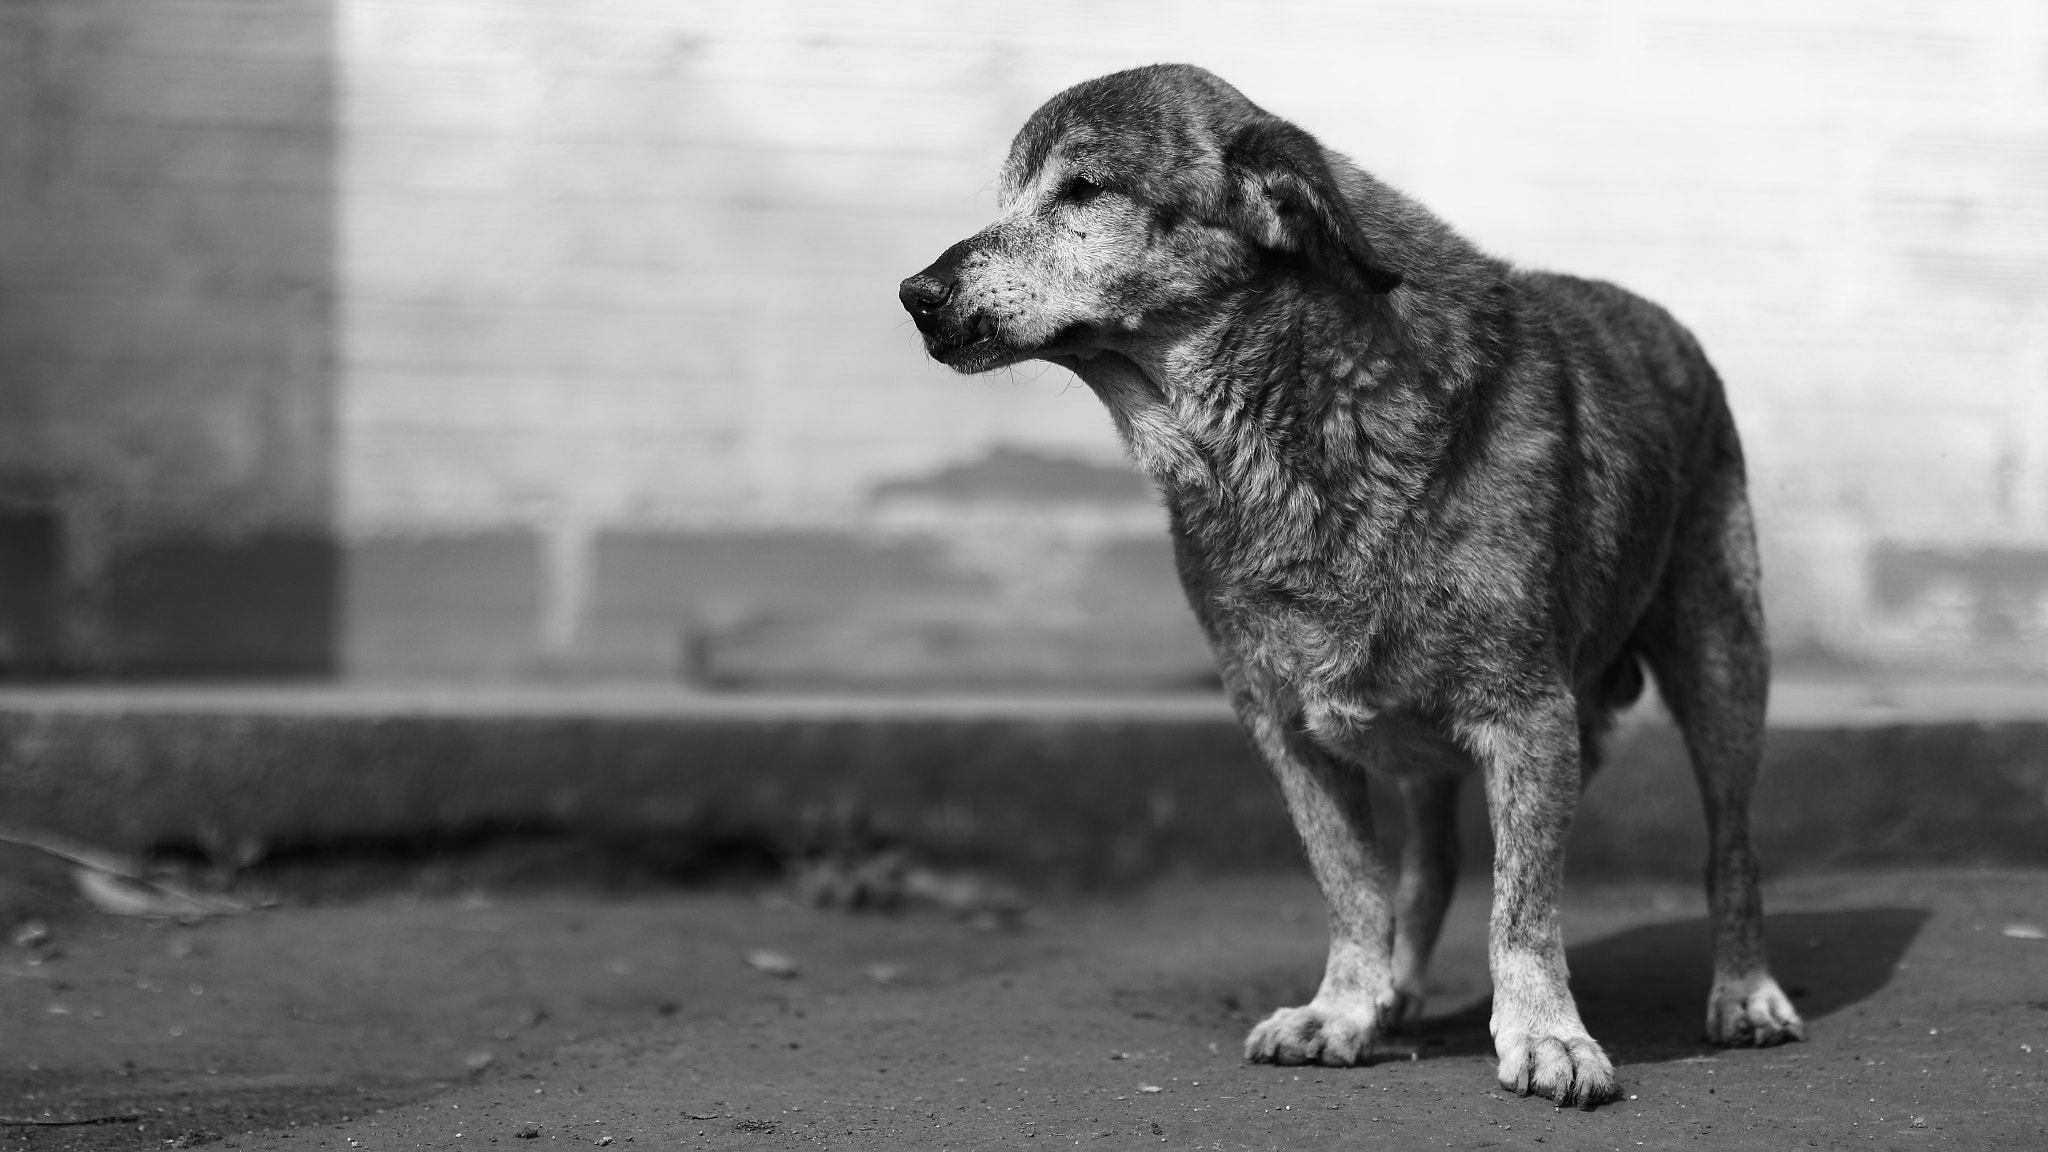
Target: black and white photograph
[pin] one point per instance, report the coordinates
(1227, 575)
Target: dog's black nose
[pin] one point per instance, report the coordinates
(924, 293)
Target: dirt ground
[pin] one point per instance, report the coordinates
(549, 1019)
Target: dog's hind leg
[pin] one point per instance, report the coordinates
(1429, 869)
(1333, 816)
(1704, 638)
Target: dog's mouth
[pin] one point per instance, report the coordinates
(971, 344)
(980, 345)
(979, 348)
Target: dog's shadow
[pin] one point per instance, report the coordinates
(1642, 992)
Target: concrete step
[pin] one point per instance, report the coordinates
(1052, 789)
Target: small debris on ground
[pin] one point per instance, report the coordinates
(2020, 931)
(773, 963)
(889, 880)
(528, 1132)
(115, 883)
(127, 896)
(887, 973)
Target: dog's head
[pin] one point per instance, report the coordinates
(1131, 202)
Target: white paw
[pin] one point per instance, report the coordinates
(1319, 1032)
(1568, 1067)
(1753, 1013)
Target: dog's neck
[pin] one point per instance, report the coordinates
(1292, 426)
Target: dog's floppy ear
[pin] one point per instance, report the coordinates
(1285, 198)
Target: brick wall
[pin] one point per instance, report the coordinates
(625, 267)
(167, 382)
(620, 386)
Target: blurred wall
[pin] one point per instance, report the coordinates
(167, 372)
(570, 327)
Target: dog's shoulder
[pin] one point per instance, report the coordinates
(1618, 347)
(1608, 311)
(1604, 316)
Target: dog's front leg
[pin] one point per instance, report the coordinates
(1531, 761)
(1333, 816)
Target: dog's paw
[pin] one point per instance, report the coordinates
(1316, 1033)
(1570, 1068)
(1752, 1013)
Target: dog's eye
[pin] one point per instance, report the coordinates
(1080, 190)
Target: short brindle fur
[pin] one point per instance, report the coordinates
(1433, 512)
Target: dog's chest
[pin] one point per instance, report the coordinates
(1326, 645)
(1298, 647)
(1357, 705)
(1366, 641)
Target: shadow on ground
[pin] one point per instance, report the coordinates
(1642, 991)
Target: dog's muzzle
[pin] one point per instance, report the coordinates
(931, 297)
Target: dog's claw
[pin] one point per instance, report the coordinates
(1315, 1033)
(1572, 1070)
(1753, 1013)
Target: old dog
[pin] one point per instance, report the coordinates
(1434, 513)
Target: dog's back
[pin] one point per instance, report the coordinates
(1592, 418)
(1647, 426)
(1589, 420)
